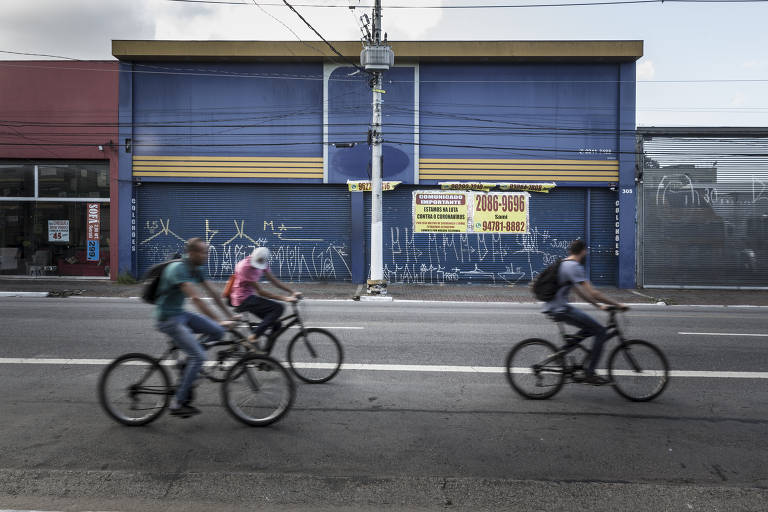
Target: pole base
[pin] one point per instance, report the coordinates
(377, 287)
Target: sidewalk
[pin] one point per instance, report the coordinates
(451, 292)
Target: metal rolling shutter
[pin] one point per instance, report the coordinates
(602, 237)
(556, 219)
(307, 227)
(705, 212)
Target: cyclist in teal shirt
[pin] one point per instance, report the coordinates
(176, 285)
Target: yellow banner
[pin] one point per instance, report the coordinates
(440, 212)
(500, 212)
(527, 187)
(365, 185)
(481, 186)
(455, 185)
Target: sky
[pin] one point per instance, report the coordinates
(683, 41)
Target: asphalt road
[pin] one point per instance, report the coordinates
(390, 439)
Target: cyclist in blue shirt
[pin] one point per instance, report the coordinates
(176, 285)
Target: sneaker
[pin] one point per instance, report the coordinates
(596, 380)
(184, 411)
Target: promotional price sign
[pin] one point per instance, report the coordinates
(93, 228)
(440, 212)
(58, 231)
(500, 212)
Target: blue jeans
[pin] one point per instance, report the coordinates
(182, 329)
(588, 327)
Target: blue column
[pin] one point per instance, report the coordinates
(357, 251)
(627, 193)
(127, 228)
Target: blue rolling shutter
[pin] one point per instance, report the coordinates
(602, 258)
(556, 219)
(307, 227)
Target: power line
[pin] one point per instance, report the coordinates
(485, 6)
(333, 48)
(320, 78)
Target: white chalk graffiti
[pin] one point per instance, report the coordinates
(441, 258)
(292, 259)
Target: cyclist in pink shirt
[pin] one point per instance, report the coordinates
(248, 296)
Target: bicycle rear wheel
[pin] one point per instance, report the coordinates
(134, 389)
(315, 355)
(258, 390)
(534, 370)
(639, 370)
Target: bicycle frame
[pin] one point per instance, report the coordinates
(573, 342)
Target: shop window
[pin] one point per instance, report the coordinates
(17, 180)
(52, 238)
(73, 180)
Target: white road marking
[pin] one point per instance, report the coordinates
(722, 334)
(699, 374)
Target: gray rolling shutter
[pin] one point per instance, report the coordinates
(705, 212)
(306, 227)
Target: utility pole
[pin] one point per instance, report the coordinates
(376, 57)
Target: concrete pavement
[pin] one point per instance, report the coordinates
(389, 439)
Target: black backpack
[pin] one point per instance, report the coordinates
(152, 281)
(546, 284)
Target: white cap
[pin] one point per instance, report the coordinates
(260, 258)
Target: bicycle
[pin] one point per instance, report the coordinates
(637, 369)
(314, 355)
(135, 389)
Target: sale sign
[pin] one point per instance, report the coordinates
(500, 212)
(440, 212)
(93, 228)
(58, 231)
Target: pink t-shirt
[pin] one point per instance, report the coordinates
(245, 274)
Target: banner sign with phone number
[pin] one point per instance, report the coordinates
(470, 212)
(486, 186)
(93, 228)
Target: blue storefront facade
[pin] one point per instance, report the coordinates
(253, 143)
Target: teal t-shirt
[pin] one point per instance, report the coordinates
(171, 299)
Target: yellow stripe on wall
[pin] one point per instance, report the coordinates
(228, 167)
(233, 158)
(497, 169)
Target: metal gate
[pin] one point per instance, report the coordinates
(307, 227)
(556, 219)
(704, 208)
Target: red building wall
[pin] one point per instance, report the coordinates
(62, 110)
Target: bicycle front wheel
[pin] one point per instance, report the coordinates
(639, 370)
(315, 355)
(258, 391)
(134, 389)
(534, 369)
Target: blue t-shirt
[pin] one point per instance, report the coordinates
(170, 301)
(570, 273)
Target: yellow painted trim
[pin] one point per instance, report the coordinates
(454, 173)
(194, 167)
(611, 51)
(226, 175)
(522, 167)
(215, 170)
(514, 161)
(528, 178)
(232, 158)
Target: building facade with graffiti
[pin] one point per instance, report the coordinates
(251, 144)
